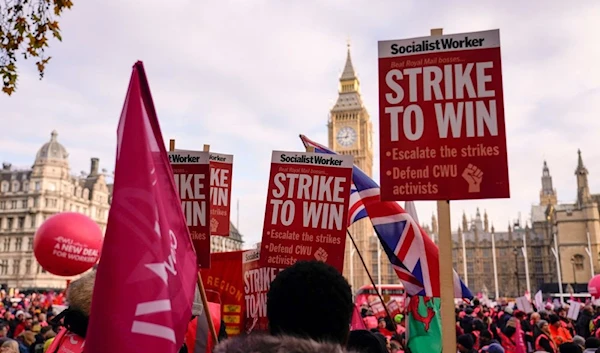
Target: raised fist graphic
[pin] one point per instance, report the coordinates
(321, 255)
(473, 176)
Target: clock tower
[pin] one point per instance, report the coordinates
(351, 133)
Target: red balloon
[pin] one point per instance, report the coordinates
(68, 244)
(594, 287)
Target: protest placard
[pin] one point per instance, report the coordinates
(191, 171)
(307, 209)
(442, 133)
(221, 168)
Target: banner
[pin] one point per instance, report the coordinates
(394, 307)
(144, 287)
(242, 286)
(225, 277)
(221, 167)
(257, 281)
(307, 209)
(191, 171)
(441, 118)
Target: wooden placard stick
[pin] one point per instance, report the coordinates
(446, 266)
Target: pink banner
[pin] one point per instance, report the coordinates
(145, 282)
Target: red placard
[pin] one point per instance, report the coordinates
(221, 167)
(191, 171)
(307, 207)
(225, 277)
(441, 118)
(257, 281)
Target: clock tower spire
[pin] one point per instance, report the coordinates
(351, 133)
(350, 127)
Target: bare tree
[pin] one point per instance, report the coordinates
(25, 29)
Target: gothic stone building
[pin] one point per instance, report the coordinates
(574, 226)
(571, 230)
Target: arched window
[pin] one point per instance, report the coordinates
(86, 194)
(4, 186)
(577, 261)
(15, 186)
(25, 186)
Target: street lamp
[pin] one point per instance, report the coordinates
(516, 253)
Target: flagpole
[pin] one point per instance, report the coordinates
(311, 149)
(352, 268)
(589, 251)
(371, 278)
(211, 326)
(558, 268)
(495, 264)
(464, 253)
(526, 259)
(379, 266)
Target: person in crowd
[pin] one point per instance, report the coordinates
(569, 347)
(544, 341)
(580, 341)
(309, 308)
(9, 346)
(382, 327)
(464, 343)
(364, 341)
(582, 326)
(75, 318)
(488, 343)
(559, 332)
(592, 344)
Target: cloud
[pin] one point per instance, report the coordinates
(248, 77)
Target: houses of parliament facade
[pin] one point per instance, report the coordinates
(565, 236)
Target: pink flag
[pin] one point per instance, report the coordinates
(145, 282)
(357, 321)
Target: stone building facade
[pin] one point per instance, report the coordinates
(29, 196)
(574, 226)
(569, 230)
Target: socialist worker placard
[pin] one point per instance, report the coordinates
(307, 209)
(441, 117)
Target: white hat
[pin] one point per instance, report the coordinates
(197, 307)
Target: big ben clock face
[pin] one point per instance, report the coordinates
(346, 137)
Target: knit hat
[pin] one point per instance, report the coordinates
(493, 348)
(465, 341)
(578, 340)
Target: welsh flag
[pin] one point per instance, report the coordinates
(423, 323)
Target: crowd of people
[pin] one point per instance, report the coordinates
(310, 309)
(481, 328)
(26, 323)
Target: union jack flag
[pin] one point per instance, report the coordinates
(413, 255)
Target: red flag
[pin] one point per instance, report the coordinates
(357, 322)
(145, 282)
